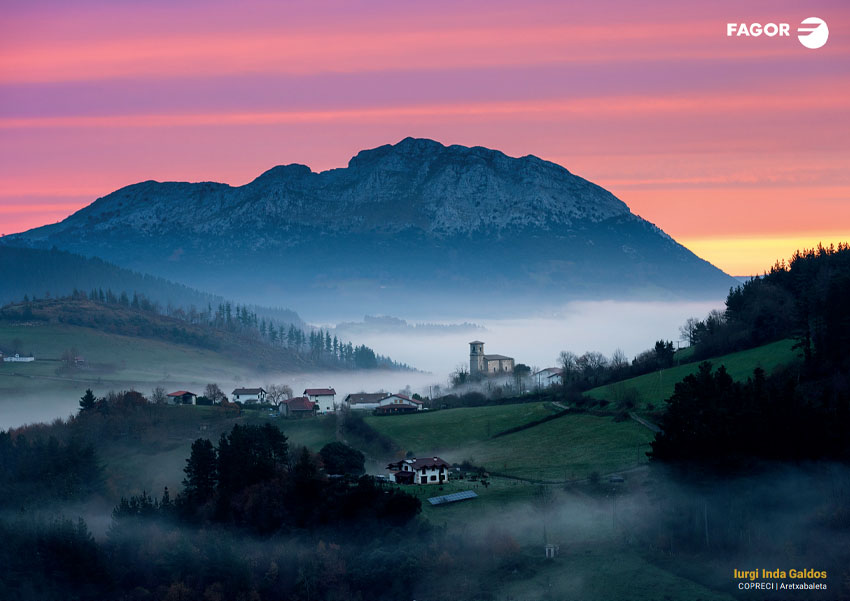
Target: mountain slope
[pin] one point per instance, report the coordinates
(38, 273)
(415, 216)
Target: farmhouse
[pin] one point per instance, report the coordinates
(323, 397)
(382, 402)
(432, 470)
(548, 376)
(297, 407)
(398, 403)
(481, 364)
(364, 401)
(181, 397)
(249, 395)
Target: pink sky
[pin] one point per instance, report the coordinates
(737, 147)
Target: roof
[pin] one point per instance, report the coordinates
(496, 357)
(299, 403)
(553, 371)
(365, 397)
(375, 397)
(407, 398)
(452, 498)
(248, 391)
(181, 393)
(319, 391)
(476, 342)
(418, 464)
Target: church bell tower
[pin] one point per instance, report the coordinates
(476, 357)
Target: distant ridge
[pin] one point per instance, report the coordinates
(39, 273)
(415, 218)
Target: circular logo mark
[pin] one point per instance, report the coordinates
(813, 33)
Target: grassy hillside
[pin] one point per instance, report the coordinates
(570, 447)
(33, 317)
(655, 387)
(47, 387)
(111, 360)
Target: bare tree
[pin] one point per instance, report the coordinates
(158, 396)
(278, 392)
(214, 393)
(619, 361)
(569, 363)
(688, 331)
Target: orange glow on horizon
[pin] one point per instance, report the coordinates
(754, 255)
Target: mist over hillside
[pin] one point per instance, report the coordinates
(430, 222)
(38, 273)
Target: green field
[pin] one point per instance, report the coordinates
(567, 448)
(655, 387)
(108, 357)
(438, 431)
(44, 389)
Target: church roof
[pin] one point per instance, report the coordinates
(476, 342)
(496, 357)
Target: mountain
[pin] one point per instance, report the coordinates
(405, 225)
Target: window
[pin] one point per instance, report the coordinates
(433, 478)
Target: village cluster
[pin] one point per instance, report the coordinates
(315, 401)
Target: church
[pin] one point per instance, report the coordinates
(480, 364)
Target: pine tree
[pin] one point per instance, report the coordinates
(87, 401)
(201, 474)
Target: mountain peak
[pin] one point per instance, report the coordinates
(291, 171)
(451, 214)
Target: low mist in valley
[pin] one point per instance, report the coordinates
(537, 340)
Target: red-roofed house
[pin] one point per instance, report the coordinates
(182, 397)
(299, 406)
(431, 470)
(323, 397)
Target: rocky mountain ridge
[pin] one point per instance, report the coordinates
(417, 213)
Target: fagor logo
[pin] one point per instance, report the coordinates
(812, 32)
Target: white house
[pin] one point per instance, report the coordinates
(364, 401)
(432, 470)
(249, 395)
(323, 397)
(398, 403)
(547, 377)
(18, 359)
(372, 401)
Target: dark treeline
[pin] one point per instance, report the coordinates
(721, 424)
(799, 413)
(805, 298)
(254, 519)
(39, 470)
(759, 468)
(315, 346)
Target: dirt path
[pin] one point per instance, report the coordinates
(644, 422)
